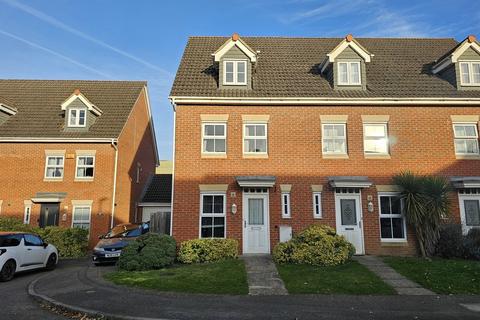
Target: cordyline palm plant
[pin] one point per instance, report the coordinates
(426, 202)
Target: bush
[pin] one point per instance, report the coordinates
(317, 245)
(471, 244)
(15, 224)
(148, 252)
(207, 250)
(450, 243)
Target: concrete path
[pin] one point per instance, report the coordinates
(262, 276)
(401, 284)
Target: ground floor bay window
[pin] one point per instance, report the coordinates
(392, 219)
(212, 215)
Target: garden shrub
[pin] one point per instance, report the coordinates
(207, 250)
(317, 245)
(471, 244)
(15, 224)
(148, 252)
(450, 243)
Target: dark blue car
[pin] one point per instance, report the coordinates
(110, 246)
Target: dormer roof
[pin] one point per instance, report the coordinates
(452, 56)
(78, 95)
(240, 44)
(348, 41)
(7, 107)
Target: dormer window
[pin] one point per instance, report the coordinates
(349, 73)
(76, 117)
(470, 73)
(235, 73)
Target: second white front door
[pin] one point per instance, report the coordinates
(349, 220)
(256, 237)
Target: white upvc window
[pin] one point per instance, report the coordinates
(81, 217)
(27, 213)
(213, 215)
(317, 205)
(286, 205)
(375, 138)
(470, 73)
(235, 72)
(466, 138)
(349, 73)
(54, 167)
(255, 138)
(469, 211)
(77, 117)
(85, 167)
(334, 138)
(214, 138)
(392, 218)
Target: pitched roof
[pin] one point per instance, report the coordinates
(159, 189)
(288, 67)
(39, 114)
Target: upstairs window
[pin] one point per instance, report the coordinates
(375, 138)
(76, 117)
(349, 73)
(54, 167)
(235, 73)
(334, 138)
(466, 138)
(470, 73)
(85, 167)
(255, 138)
(214, 138)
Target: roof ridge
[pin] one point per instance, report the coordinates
(75, 80)
(330, 38)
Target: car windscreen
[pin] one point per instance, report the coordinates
(10, 240)
(120, 231)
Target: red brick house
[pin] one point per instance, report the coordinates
(274, 134)
(74, 153)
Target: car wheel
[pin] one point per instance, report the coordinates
(8, 271)
(51, 262)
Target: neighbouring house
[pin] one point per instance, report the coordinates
(273, 134)
(74, 153)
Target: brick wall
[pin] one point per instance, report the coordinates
(421, 140)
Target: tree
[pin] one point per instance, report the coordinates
(426, 202)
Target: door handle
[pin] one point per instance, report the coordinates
(29, 249)
(245, 223)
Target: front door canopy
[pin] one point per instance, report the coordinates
(255, 181)
(465, 182)
(41, 197)
(349, 182)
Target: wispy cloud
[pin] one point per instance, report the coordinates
(60, 25)
(55, 53)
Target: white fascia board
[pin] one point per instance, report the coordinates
(152, 128)
(322, 101)
(85, 101)
(219, 54)
(334, 54)
(58, 140)
(453, 58)
(7, 109)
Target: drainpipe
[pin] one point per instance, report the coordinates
(173, 165)
(114, 145)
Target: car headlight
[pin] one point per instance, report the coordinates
(98, 249)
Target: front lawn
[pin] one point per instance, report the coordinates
(440, 275)
(349, 278)
(226, 277)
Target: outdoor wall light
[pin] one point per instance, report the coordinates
(234, 208)
(370, 206)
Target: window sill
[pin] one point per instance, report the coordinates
(286, 217)
(397, 243)
(255, 156)
(318, 218)
(83, 179)
(377, 156)
(467, 156)
(334, 156)
(53, 179)
(214, 155)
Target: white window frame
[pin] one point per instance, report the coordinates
(365, 138)
(47, 166)
(213, 215)
(402, 215)
(471, 82)
(235, 72)
(344, 152)
(27, 213)
(286, 211)
(474, 138)
(463, 218)
(77, 119)
(214, 137)
(349, 73)
(84, 166)
(89, 221)
(317, 207)
(245, 137)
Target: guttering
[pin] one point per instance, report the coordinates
(61, 140)
(114, 145)
(321, 101)
(154, 204)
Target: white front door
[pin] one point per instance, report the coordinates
(256, 237)
(349, 220)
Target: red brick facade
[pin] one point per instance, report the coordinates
(421, 140)
(23, 170)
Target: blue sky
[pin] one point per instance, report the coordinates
(144, 40)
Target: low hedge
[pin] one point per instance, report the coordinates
(70, 242)
(207, 250)
(317, 245)
(148, 252)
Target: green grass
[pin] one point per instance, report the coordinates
(440, 275)
(349, 278)
(226, 277)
